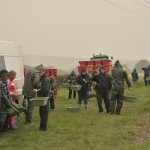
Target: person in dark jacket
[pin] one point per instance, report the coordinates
(44, 91)
(103, 88)
(135, 77)
(5, 98)
(52, 93)
(84, 80)
(145, 75)
(72, 81)
(119, 75)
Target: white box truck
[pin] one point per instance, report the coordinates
(11, 59)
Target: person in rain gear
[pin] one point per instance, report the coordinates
(117, 92)
(145, 75)
(31, 82)
(43, 91)
(84, 80)
(6, 99)
(135, 77)
(103, 89)
(72, 81)
(52, 91)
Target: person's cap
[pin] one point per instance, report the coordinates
(4, 71)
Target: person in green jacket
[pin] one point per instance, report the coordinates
(72, 81)
(32, 81)
(117, 92)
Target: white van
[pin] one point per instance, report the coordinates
(11, 59)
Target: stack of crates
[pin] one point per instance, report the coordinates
(53, 73)
(92, 65)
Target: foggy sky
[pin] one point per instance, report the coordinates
(77, 28)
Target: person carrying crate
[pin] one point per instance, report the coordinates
(43, 91)
(32, 80)
(84, 81)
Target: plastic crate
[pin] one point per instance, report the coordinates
(89, 68)
(130, 98)
(80, 68)
(92, 94)
(76, 87)
(97, 63)
(90, 62)
(73, 109)
(13, 110)
(82, 63)
(148, 78)
(96, 67)
(39, 101)
(105, 62)
(90, 72)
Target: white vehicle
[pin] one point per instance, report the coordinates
(11, 59)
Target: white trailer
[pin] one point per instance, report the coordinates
(11, 59)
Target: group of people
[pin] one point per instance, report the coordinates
(107, 87)
(135, 76)
(146, 74)
(36, 84)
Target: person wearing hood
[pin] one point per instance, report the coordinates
(84, 80)
(145, 75)
(72, 81)
(31, 82)
(103, 89)
(135, 77)
(117, 92)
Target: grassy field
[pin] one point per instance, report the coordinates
(86, 130)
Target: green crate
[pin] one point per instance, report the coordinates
(92, 94)
(21, 109)
(76, 87)
(148, 78)
(13, 110)
(65, 85)
(73, 109)
(39, 101)
(3, 115)
(130, 98)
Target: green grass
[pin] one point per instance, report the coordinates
(84, 130)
